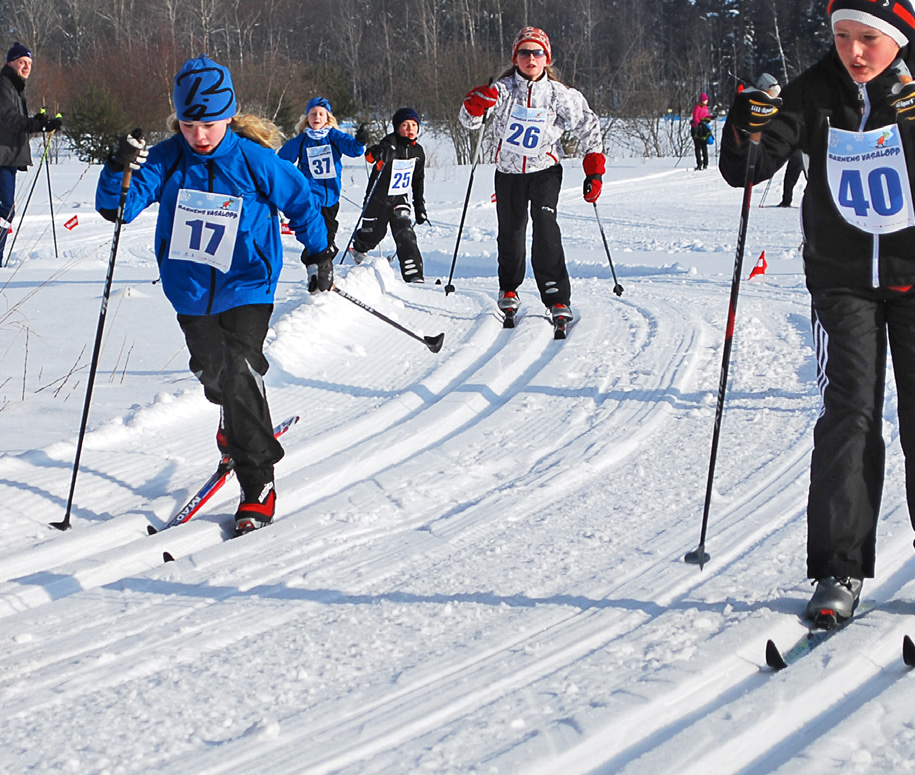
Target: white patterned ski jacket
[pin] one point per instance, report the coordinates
(568, 111)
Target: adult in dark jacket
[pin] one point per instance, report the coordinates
(15, 127)
(850, 114)
(399, 170)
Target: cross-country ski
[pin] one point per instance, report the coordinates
(475, 543)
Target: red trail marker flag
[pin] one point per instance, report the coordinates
(761, 266)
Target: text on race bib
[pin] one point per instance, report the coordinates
(205, 228)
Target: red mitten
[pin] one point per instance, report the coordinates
(480, 99)
(595, 166)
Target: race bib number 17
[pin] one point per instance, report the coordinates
(869, 180)
(205, 228)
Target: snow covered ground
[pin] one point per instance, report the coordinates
(477, 561)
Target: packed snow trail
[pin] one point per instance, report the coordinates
(476, 564)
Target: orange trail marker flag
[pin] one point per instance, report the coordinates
(761, 266)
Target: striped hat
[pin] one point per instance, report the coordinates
(895, 18)
(532, 35)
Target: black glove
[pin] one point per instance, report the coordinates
(320, 268)
(753, 109)
(362, 135)
(380, 152)
(421, 216)
(53, 124)
(904, 102)
(131, 151)
(36, 122)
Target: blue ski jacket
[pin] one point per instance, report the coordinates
(238, 167)
(326, 190)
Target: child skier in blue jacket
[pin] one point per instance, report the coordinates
(217, 242)
(317, 151)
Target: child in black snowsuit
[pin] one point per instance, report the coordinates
(398, 171)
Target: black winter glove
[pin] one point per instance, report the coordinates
(131, 151)
(53, 124)
(362, 135)
(320, 268)
(421, 216)
(904, 102)
(753, 109)
(36, 122)
(380, 152)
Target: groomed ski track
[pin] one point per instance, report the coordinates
(531, 498)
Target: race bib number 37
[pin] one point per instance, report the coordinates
(205, 228)
(869, 180)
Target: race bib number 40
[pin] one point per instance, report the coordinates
(869, 180)
(205, 228)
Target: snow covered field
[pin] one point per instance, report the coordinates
(477, 561)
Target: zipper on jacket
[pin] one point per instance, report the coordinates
(211, 176)
(865, 106)
(865, 115)
(865, 109)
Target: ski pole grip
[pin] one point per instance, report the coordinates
(902, 71)
(136, 134)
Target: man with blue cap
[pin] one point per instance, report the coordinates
(220, 188)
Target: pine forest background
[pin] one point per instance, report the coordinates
(108, 65)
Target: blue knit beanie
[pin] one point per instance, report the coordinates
(18, 50)
(318, 102)
(404, 114)
(204, 91)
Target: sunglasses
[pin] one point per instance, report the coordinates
(536, 53)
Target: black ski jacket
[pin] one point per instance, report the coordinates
(836, 254)
(15, 123)
(403, 149)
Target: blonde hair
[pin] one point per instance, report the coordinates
(302, 124)
(260, 130)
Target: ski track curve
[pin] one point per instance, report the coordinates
(396, 555)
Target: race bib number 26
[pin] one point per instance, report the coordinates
(869, 180)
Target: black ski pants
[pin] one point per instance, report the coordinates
(382, 212)
(539, 193)
(793, 171)
(227, 357)
(700, 146)
(851, 330)
(330, 221)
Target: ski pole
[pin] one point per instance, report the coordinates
(9, 252)
(765, 193)
(617, 288)
(449, 287)
(434, 343)
(699, 556)
(47, 169)
(365, 207)
(119, 220)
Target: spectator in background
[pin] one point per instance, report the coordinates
(701, 130)
(15, 127)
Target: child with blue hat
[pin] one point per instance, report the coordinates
(220, 187)
(317, 151)
(398, 175)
